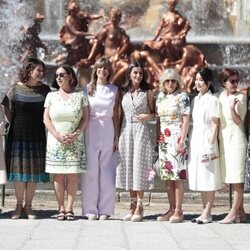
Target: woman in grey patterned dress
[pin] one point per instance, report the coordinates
(135, 150)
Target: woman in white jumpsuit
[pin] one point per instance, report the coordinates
(98, 183)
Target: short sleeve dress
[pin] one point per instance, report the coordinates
(65, 116)
(203, 175)
(233, 140)
(170, 109)
(26, 142)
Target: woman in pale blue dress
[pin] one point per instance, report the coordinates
(66, 117)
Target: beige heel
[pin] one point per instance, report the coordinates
(176, 219)
(138, 217)
(129, 216)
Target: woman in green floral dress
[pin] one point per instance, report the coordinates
(65, 116)
(173, 110)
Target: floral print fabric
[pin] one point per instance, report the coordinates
(170, 109)
(65, 116)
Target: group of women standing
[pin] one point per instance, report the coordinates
(118, 151)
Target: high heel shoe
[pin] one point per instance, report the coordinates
(205, 220)
(28, 212)
(138, 217)
(178, 218)
(243, 218)
(194, 220)
(233, 219)
(166, 216)
(129, 216)
(17, 213)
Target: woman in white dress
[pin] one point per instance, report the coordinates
(233, 142)
(204, 168)
(66, 117)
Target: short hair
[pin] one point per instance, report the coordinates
(174, 74)
(226, 73)
(143, 84)
(29, 65)
(73, 83)
(101, 62)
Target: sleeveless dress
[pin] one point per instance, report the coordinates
(233, 140)
(26, 142)
(65, 116)
(170, 109)
(135, 149)
(203, 176)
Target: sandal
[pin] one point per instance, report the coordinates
(69, 215)
(60, 216)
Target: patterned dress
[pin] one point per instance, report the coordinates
(135, 149)
(65, 116)
(26, 142)
(170, 109)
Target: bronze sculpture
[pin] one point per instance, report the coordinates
(113, 43)
(31, 40)
(73, 34)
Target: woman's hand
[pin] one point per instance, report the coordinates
(180, 148)
(143, 117)
(72, 136)
(116, 144)
(64, 139)
(233, 102)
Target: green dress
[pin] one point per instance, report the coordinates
(65, 116)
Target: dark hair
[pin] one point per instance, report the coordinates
(226, 73)
(143, 84)
(73, 82)
(101, 62)
(29, 65)
(207, 76)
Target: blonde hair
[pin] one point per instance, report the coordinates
(167, 74)
(101, 62)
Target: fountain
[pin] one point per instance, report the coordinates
(215, 28)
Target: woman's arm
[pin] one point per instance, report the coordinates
(116, 120)
(185, 125)
(82, 124)
(235, 116)
(8, 114)
(214, 132)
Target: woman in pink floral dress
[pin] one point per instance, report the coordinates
(173, 110)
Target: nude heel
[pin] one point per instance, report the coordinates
(129, 216)
(138, 217)
(176, 219)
